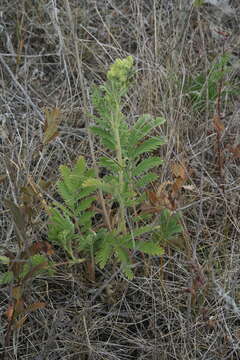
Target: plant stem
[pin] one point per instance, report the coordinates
(116, 116)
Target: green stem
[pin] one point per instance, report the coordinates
(116, 121)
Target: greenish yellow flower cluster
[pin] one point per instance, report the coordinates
(120, 70)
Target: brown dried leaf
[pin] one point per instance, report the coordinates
(218, 124)
(52, 122)
(179, 170)
(20, 322)
(34, 307)
(235, 151)
(47, 248)
(160, 199)
(177, 185)
(9, 312)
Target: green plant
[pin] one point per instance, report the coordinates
(204, 86)
(23, 267)
(29, 260)
(71, 223)
(127, 166)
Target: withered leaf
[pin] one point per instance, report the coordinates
(179, 170)
(20, 322)
(9, 312)
(52, 121)
(35, 306)
(218, 124)
(18, 219)
(235, 151)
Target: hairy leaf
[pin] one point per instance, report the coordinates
(146, 165)
(148, 146)
(150, 248)
(146, 179)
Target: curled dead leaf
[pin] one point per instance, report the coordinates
(179, 170)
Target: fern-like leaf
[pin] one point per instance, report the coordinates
(143, 127)
(85, 204)
(106, 138)
(58, 224)
(169, 225)
(104, 253)
(128, 272)
(66, 193)
(146, 165)
(122, 255)
(148, 146)
(6, 278)
(80, 167)
(145, 180)
(150, 248)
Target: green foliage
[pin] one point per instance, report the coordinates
(169, 227)
(71, 223)
(128, 165)
(28, 268)
(202, 87)
(36, 265)
(6, 278)
(198, 3)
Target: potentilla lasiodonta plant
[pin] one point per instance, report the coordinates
(127, 166)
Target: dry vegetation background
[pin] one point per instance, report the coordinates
(185, 305)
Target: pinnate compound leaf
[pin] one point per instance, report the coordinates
(122, 255)
(92, 182)
(148, 146)
(35, 265)
(86, 217)
(169, 225)
(142, 128)
(66, 194)
(146, 179)
(135, 233)
(80, 167)
(58, 225)
(6, 278)
(85, 204)
(128, 272)
(103, 255)
(106, 138)
(109, 164)
(150, 248)
(146, 165)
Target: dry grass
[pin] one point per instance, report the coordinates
(185, 307)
